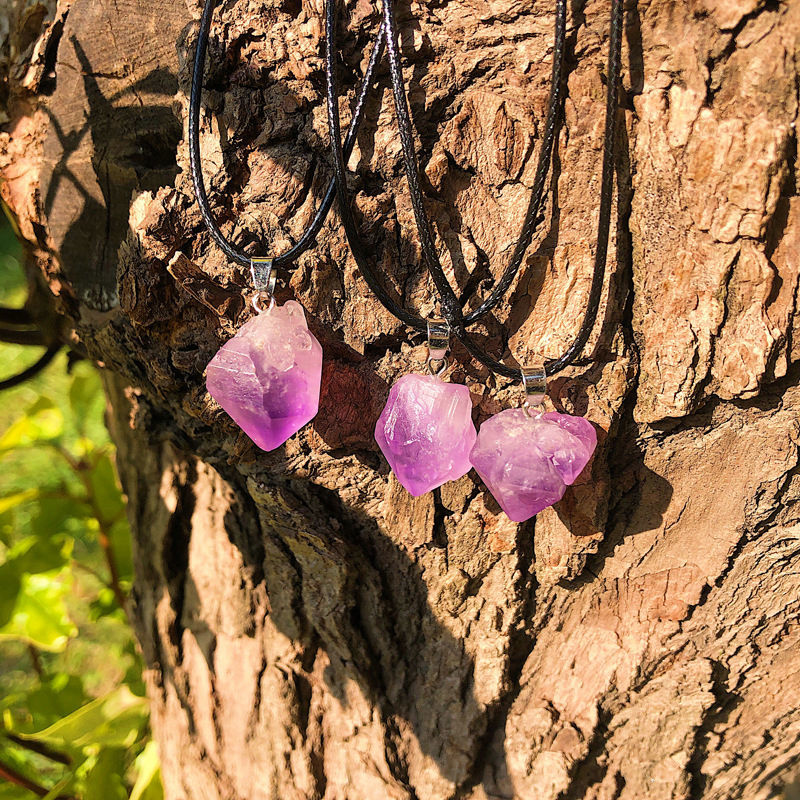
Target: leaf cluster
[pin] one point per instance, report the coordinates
(73, 713)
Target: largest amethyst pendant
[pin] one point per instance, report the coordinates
(268, 376)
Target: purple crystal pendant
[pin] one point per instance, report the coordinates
(426, 430)
(528, 462)
(526, 459)
(268, 376)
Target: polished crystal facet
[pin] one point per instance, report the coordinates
(527, 462)
(426, 432)
(268, 376)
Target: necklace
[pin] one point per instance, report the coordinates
(268, 376)
(524, 456)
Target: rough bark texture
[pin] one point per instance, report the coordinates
(310, 630)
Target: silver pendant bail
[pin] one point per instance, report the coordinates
(438, 339)
(264, 280)
(438, 345)
(534, 382)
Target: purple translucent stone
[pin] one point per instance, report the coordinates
(268, 376)
(426, 432)
(527, 462)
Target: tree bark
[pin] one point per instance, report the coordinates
(309, 629)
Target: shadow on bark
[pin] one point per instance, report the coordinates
(113, 151)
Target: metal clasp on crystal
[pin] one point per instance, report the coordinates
(534, 382)
(438, 345)
(264, 280)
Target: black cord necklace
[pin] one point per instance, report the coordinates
(451, 308)
(426, 431)
(267, 377)
(308, 239)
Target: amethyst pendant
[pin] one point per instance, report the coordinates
(268, 376)
(527, 462)
(426, 432)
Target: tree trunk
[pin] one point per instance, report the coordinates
(309, 629)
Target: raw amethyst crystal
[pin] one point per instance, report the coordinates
(527, 462)
(426, 432)
(268, 376)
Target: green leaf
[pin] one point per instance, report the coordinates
(10, 585)
(84, 391)
(55, 698)
(104, 781)
(104, 604)
(17, 499)
(111, 721)
(28, 764)
(58, 790)
(17, 758)
(10, 792)
(8, 526)
(35, 554)
(105, 490)
(39, 615)
(133, 675)
(148, 775)
(59, 515)
(43, 421)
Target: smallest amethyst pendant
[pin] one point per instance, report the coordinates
(527, 459)
(425, 431)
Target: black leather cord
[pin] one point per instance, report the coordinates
(340, 177)
(412, 168)
(531, 221)
(310, 235)
(606, 195)
(34, 369)
(451, 309)
(448, 301)
(457, 322)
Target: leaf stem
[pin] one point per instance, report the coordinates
(36, 662)
(39, 747)
(12, 776)
(105, 542)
